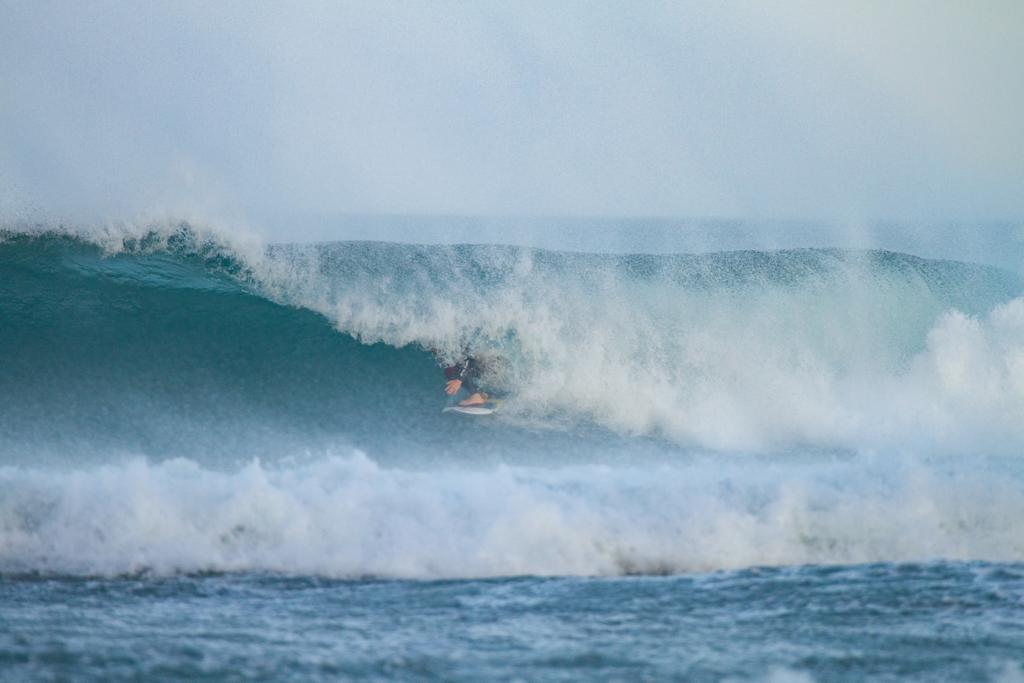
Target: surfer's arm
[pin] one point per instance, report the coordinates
(455, 375)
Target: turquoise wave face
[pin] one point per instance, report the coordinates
(169, 353)
(172, 344)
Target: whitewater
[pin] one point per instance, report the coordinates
(239, 424)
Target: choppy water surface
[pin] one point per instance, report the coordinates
(935, 622)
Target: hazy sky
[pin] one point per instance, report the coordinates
(837, 110)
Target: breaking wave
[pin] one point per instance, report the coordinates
(146, 342)
(348, 517)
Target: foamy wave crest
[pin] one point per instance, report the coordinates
(348, 517)
(731, 351)
(966, 389)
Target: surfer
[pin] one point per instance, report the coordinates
(465, 373)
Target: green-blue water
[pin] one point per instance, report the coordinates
(224, 461)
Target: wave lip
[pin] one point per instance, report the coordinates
(347, 517)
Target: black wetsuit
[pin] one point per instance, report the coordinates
(468, 371)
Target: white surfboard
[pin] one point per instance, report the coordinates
(478, 409)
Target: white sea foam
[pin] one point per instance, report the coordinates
(849, 357)
(348, 517)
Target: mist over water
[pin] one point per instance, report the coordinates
(846, 113)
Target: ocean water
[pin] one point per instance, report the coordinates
(225, 459)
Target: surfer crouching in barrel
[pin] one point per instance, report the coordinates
(465, 373)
